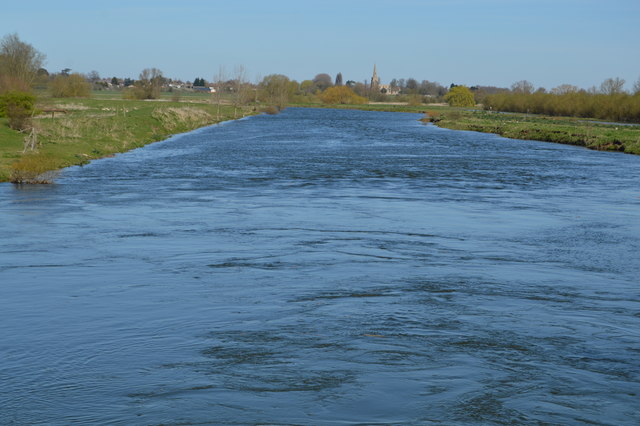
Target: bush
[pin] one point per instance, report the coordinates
(613, 107)
(460, 96)
(341, 95)
(34, 168)
(70, 86)
(147, 87)
(18, 107)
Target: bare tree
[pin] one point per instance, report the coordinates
(522, 86)
(636, 86)
(322, 81)
(563, 89)
(338, 79)
(612, 86)
(19, 63)
(148, 85)
(241, 90)
(93, 76)
(219, 87)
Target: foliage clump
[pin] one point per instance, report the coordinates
(341, 95)
(18, 107)
(460, 96)
(276, 90)
(70, 86)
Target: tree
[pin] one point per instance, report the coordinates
(636, 86)
(612, 86)
(240, 90)
(412, 86)
(341, 95)
(148, 85)
(338, 79)
(460, 96)
(360, 89)
(93, 76)
(114, 81)
(322, 81)
(70, 86)
(275, 90)
(307, 87)
(19, 64)
(431, 89)
(522, 86)
(219, 88)
(563, 89)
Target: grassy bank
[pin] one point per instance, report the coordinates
(565, 130)
(95, 128)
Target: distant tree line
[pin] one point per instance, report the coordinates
(608, 102)
(199, 82)
(22, 74)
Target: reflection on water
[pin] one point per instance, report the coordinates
(325, 266)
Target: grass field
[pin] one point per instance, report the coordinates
(102, 126)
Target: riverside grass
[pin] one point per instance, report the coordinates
(587, 133)
(96, 128)
(590, 134)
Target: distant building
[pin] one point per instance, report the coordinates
(203, 89)
(376, 87)
(375, 81)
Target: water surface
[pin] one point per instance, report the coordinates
(325, 267)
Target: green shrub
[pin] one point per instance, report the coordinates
(341, 95)
(460, 96)
(18, 107)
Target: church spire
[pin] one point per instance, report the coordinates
(375, 80)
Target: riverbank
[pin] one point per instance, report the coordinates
(590, 134)
(565, 130)
(89, 129)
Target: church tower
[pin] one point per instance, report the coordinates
(375, 81)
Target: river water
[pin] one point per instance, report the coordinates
(325, 267)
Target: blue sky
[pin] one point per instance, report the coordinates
(487, 42)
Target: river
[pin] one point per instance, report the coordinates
(325, 267)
